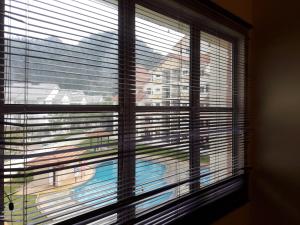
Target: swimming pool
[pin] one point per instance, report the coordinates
(101, 189)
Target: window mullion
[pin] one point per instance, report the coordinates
(2, 61)
(235, 110)
(194, 106)
(126, 149)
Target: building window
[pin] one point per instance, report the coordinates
(204, 123)
(202, 89)
(149, 91)
(185, 72)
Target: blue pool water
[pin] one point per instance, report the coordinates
(206, 179)
(101, 189)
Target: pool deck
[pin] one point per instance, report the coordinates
(176, 171)
(50, 199)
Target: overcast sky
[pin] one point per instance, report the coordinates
(72, 20)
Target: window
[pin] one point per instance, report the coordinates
(150, 27)
(166, 37)
(87, 134)
(149, 91)
(217, 53)
(186, 51)
(185, 72)
(204, 123)
(202, 89)
(61, 58)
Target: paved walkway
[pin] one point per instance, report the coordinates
(52, 200)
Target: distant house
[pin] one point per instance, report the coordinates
(168, 84)
(39, 93)
(69, 96)
(48, 93)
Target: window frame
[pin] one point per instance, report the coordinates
(127, 108)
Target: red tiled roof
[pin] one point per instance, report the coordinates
(57, 156)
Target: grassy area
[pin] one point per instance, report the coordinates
(18, 200)
(16, 184)
(141, 149)
(175, 154)
(154, 151)
(62, 137)
(204, 159)
(97, 141)
(90, 153)
(17, 214)
(97, 152)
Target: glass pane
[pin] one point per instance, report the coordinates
(215, 71)
(162, 60)
(216, 140)
(61, 165)
(61, 52)
(162, 153)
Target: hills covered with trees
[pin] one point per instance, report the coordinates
(90, 66)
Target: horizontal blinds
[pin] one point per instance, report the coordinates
(162, 137)
(216, 125)
(65, 51)
(241, 116)
(162, 74)
(60, 162)
(50, 160)
(115, 113)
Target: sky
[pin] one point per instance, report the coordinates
(72, 20)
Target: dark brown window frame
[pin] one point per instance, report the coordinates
(127, 108)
